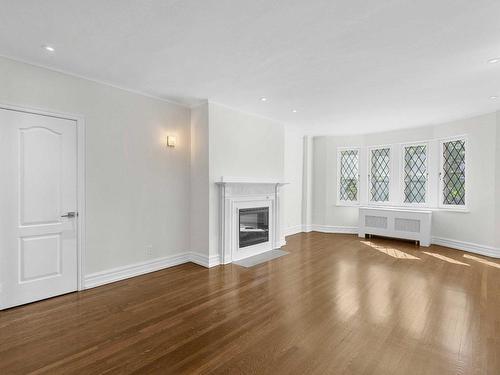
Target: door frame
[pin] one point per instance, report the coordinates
(80, 183)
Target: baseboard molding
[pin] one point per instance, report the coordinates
(125, 272)
(204, 260)
(489, 251)
(136, 269)
(293, 230)
(320, 228)
(121, 273)
(334, 229)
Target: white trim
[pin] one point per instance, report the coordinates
(334, 229)
(470, 247)
(101, 82)
(125, 272)
(307, 228)
(136, 269)
(81, 178)
(292, 230)
(339, 170)
(250, 180)
(441, 204)
(402, 174)
(141, 268)
(204, 260)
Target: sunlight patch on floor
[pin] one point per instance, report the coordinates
(391, 251)
(446, 259)
(481, 260)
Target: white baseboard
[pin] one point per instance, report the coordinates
(293, 230)
(136, 269)
(204, 260)
(334, 229)
(141, 268)
(320, 228)
(125, 272)
(489, 251)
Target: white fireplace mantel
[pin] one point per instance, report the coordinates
(247, 180)
(240, 192)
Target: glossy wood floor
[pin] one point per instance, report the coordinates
(335, 305)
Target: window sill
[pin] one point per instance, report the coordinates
(347, 204)
(404, 207)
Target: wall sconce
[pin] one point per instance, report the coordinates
(171, 141)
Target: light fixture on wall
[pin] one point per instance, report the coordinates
(48, 48)
(494, 61)
(493, 97)
(171, 141)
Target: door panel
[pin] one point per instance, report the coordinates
(40, 257)
(38, 248)
(39, 157)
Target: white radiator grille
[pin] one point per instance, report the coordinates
(376, 222)
(407, 225)
(410, 224)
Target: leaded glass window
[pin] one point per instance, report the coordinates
(349, 175)
(453, 173)
(415, 174)
(380, 161)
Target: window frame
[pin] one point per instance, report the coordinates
(441, 204)
(368, 175)
(341, 202)
(402, 174)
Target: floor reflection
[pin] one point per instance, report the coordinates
(346, 290)
(415, 306)
(380, 294)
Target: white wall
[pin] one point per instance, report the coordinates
(200, 191)
(138, 191)
(497, 182)
(241, 145)
(292, 193)
(476, 226)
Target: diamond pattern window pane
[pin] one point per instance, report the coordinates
(349, 174)
(379, 174)
(415, 173)
(454, 173)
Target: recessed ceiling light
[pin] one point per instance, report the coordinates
(494, 61)
(263, 99)
(493, 97)
(48, 48)
(294, 110)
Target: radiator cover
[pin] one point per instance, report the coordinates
(396, 222)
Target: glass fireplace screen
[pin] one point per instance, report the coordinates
(254, 226)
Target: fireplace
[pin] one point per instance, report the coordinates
(254, 226)
(249, 218)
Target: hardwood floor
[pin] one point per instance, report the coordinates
(335, 305)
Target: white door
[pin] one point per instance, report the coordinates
(38, 188)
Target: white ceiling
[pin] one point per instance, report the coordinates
(346, 66)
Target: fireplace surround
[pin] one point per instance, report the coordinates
(249, 217)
